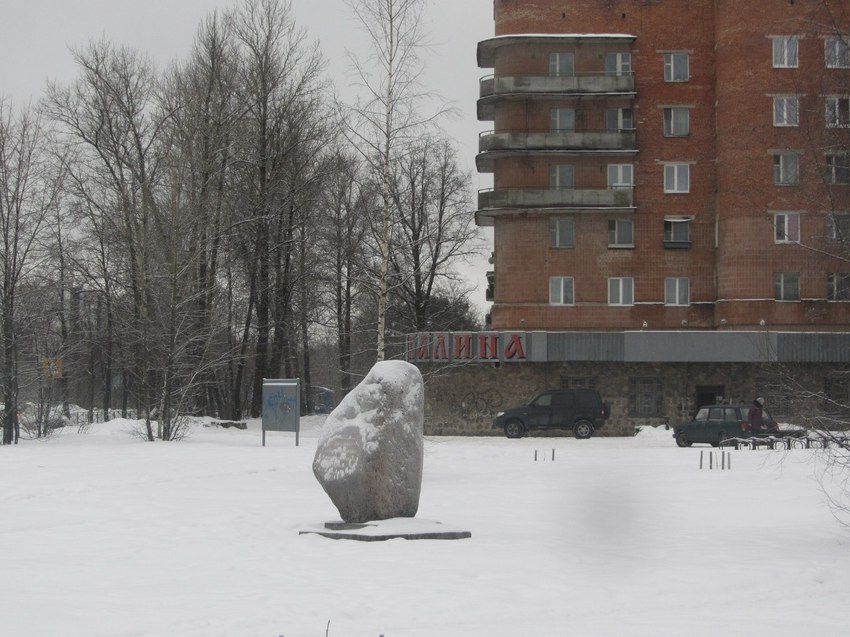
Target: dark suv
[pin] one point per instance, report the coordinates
(581, 410)
(714, 423)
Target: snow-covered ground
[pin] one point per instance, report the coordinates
(103, 534)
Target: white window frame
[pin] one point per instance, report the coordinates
(622, 120)
(786, 227)
(786, 111)
(621, 176)
(677, 178)
(621, 291)
(786, 52)
(673, 62)
(784, 284)
(557, 173)
(561, 287)
(837, 171)
(677, 291)
(838, 226)
(786, 169)
(555, 64)
(838, 286)
(622, 63)
(616, 228)
(671, 228)
(676, 117)
(836, 52)
(562, 119)
(837, 111)
(562, 233)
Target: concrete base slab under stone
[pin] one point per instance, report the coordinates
(394, 528)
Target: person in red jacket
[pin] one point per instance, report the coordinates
(755, 417)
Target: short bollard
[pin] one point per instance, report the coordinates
(723, 464)
(543, 455)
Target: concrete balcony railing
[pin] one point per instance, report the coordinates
(557, 140)
(513, 198)
(577, 83)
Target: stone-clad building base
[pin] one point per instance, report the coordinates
(463, 399)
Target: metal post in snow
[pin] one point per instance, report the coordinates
(700, 459)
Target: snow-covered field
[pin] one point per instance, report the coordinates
(103, 534)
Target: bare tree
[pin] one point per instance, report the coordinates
(348, 201)
(279, 77)
(29, 190)
(207, 117)
(387, 117)
(112, 116)
(814, 172)
(433, 230)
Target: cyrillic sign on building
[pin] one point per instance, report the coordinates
(467, 347)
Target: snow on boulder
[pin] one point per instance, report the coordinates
(370, 451)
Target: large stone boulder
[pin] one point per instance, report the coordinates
(370, 452)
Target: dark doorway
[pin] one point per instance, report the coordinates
(710, 394)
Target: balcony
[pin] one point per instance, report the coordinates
(487, 48)
(491, 203)
(494, 145)
(495, 87)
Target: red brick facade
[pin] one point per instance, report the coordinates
(731, 258)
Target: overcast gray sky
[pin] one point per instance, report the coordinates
(35, 35)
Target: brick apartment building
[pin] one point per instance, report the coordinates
(670, 207)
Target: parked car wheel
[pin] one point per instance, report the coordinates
(682, 440)
(514, 429)
(721, 437)
(583, 429)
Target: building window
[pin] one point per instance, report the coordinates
(646, 397)
(562, 233)
(620, 176)
(619, 119)
(621, 291)
(837, 52)
(837, 395)
(677, 178)
(785, 52)
(786, 169)
(618, 63)
(561, 290)
(562, 63)
(677, 233)
(837, 111)
(677, 121)
(620, 233)
(676, 67)
(786, 227)
(837, 389)
(786, 286)
(838, 227)
(562, 176)
(677, 291)
(786, 110)
(777, 395)
(578, 382)
(562, 119)
(838, 286)
(838, 169)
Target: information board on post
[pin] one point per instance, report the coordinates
(281, 406)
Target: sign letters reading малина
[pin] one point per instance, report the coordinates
(467, 347)
(281, 407)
